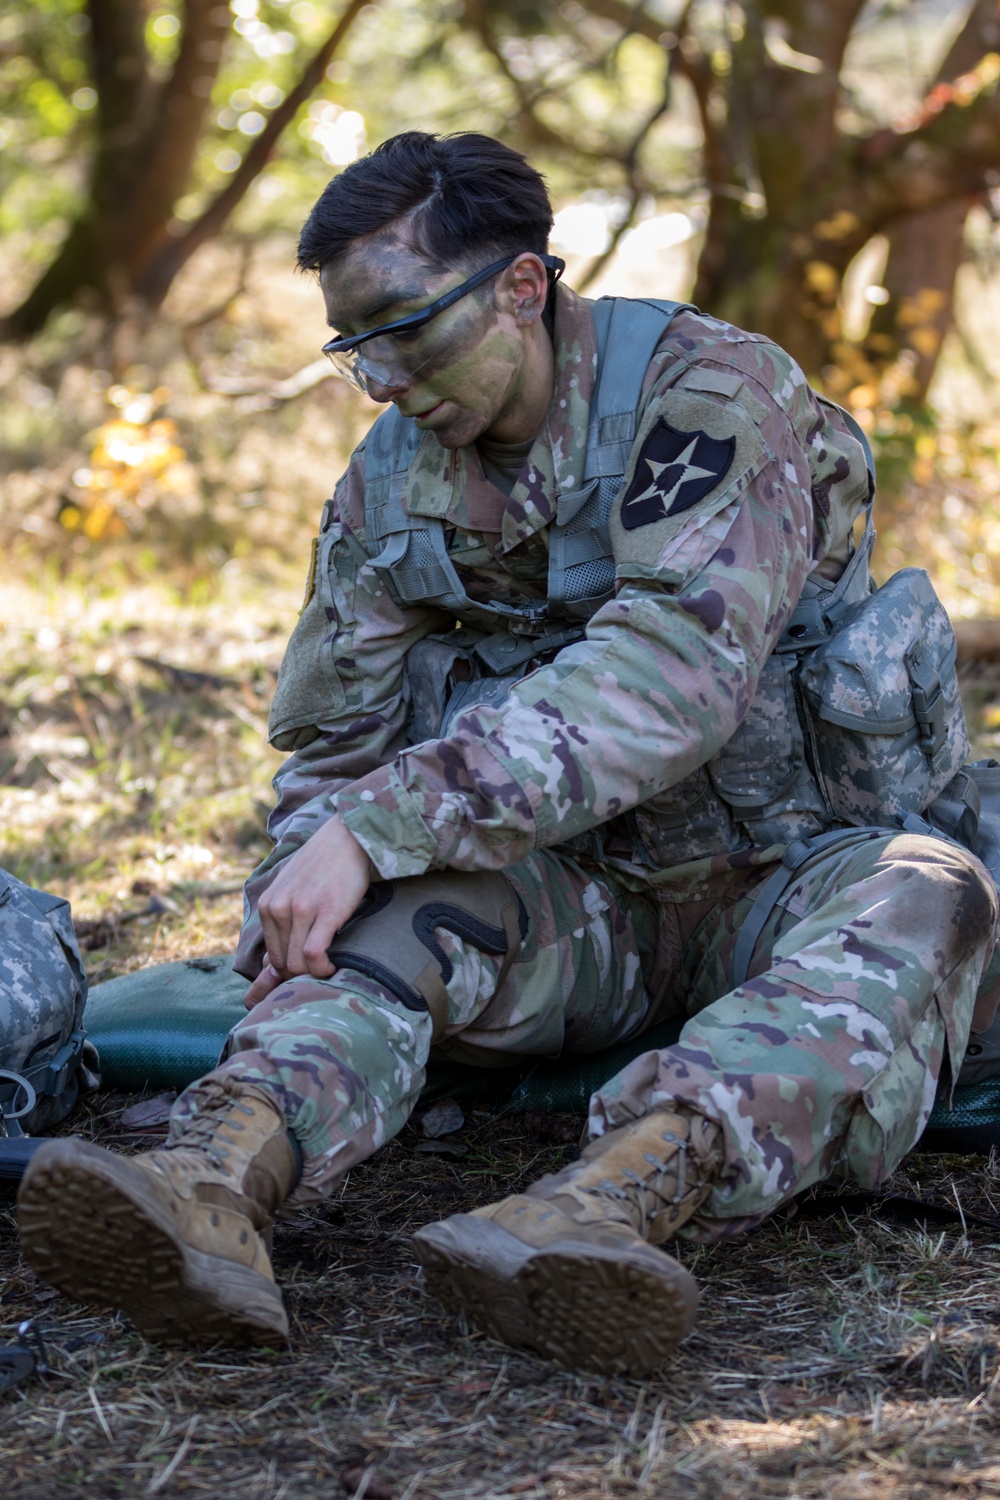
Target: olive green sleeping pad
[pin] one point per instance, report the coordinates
(165, 1026)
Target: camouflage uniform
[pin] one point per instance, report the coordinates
(829, 1053)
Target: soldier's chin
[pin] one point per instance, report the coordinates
(457, 428)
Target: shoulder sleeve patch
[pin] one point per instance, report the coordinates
(693, 456)
(674, 471)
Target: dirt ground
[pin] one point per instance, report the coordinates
(832, 1359)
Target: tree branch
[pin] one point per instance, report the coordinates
(173, 254)
(478, 15)
(979, 34)
(949, 155)
(636, 187)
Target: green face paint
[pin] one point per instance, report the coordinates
(460, 375)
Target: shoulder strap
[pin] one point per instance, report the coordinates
(581, 567)
(628, 330)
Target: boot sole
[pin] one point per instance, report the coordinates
(92, 1227)
(587, 1307)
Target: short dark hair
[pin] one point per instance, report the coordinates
(471, 199)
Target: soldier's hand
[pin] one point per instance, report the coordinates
(267, 980)
(320, 886)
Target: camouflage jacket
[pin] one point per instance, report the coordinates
(626, 731)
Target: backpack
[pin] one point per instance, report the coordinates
(44, 1056)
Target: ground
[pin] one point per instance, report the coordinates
(832, 1359)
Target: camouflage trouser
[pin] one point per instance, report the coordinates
(863, 980)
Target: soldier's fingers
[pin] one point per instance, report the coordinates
(313, 928)
(275, 925)
(267, 980)
(314, 954)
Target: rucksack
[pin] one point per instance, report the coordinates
(44, 1056)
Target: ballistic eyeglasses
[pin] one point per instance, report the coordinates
(358, 368)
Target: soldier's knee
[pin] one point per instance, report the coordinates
(949, 884)
(393, 937)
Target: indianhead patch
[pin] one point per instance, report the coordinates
(674, 471)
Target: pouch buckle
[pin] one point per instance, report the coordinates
(928, 710)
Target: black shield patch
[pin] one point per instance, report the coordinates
(675, 470)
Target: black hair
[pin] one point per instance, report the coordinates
(471, 198)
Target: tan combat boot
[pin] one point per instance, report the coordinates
(171, 1237)
(568, 1268)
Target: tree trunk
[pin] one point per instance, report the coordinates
(793, 199)
(926, 250)
(125, 243)
(776, 249)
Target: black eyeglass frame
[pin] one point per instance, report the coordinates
(416, 320)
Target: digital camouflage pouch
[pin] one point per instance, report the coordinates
(44, 1058)
(882, 695)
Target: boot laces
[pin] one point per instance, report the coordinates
(646, 1195)
(201, 1130)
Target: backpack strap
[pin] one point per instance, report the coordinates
(628, 330)
(581, 564)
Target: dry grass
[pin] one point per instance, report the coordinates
(831, 1359)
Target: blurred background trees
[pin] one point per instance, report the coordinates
(823, 171)
(778, 119)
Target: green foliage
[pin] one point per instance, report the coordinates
(45, 109)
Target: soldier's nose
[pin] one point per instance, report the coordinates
(386, 390)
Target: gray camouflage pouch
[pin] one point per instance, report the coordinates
(44, 1057)
(882, 694)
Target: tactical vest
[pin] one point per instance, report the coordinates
(856, 717)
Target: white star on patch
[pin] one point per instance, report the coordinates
(688, 471)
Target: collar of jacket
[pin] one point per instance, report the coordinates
(450, 483)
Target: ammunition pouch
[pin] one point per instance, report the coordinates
(882, 694)
(392, 937)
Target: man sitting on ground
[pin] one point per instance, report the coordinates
(544, 832)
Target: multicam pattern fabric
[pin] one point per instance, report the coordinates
(827, 1058)
(867, 972)
(669, 666)
(863, 981)
(346, 1061)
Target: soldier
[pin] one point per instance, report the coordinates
(630, 786)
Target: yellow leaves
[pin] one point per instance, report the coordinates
(822, 278)
(838, 226)
(126, 454)
(925, 340)
(922, 307)
(136, 461)
(971, 85)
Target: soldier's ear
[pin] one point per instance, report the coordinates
(528, 281)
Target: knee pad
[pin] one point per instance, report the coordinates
(392, 937)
